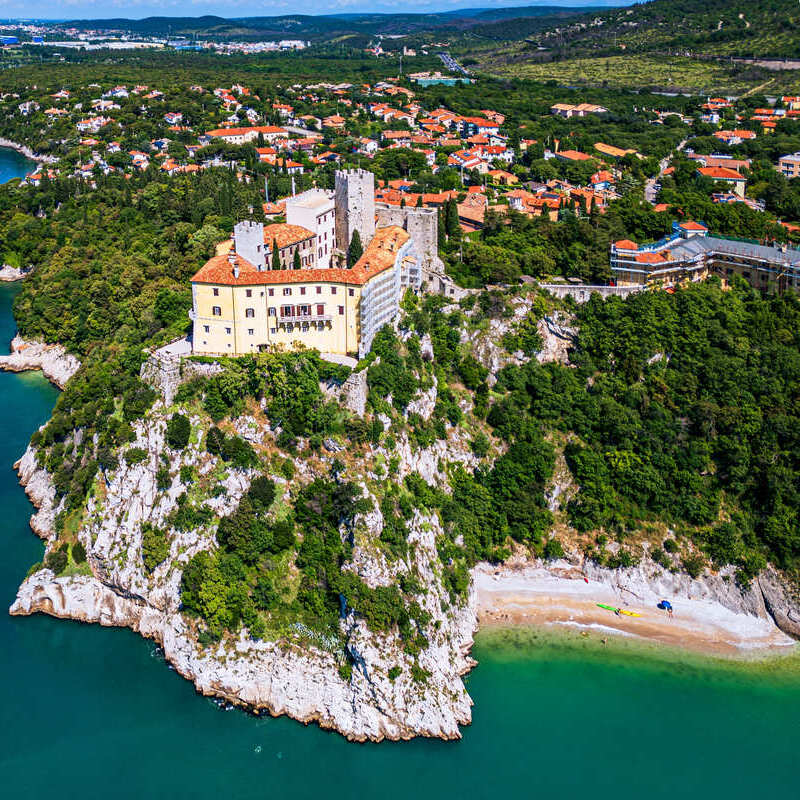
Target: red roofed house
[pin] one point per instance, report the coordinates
(737, 182)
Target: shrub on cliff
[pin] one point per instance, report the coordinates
(163, 480)
(178, 431)
(78, 553)
(215, 438)
(56, 560)
(135, 455)
(239, 452)
(155, 547)
(262, 491)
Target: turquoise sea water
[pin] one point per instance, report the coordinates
(13, 165)
(91, 712)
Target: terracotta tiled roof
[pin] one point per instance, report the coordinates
(285, 234)
(651, 258)
(242, 131)
(721, 173)
(626, 244)
(574, 155)
(378, 257)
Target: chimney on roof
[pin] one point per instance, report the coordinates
(232, 261)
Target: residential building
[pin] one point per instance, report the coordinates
(568, 110)
(691, 254)
(789, 165)
(737, 181)
(315, 211)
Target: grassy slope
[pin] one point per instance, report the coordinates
(648, 45)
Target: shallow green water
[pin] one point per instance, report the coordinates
(90, 712)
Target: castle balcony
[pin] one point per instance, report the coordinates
(295, 318)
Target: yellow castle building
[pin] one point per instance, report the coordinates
(243, 303)
(240, 308)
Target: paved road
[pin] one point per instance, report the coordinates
(652, 185)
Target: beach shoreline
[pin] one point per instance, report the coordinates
(537, 598)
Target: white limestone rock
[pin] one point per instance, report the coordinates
(57, 365)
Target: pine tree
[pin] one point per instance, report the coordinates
(296, 261)
(355, 250)
(419, 201)
(276, 256)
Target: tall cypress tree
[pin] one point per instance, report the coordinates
(451, 219)
(441, 233)
(355, 250)
(296, 263)
(276, 256)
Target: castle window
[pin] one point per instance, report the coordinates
(250, 312)
(250, 331)
(341, 311)
(216, 311)
(287, 292)
(333, 290)
(302, 290)
(273, 330)
(206, 329)
(272, 312)
(248, 292)
(272, 293)
(227, 330)
(216, 291)
(319, 290)
(305, 326)
(320, 310)
(351, 292)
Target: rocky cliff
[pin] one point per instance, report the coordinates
(56, 363)
(298, 676)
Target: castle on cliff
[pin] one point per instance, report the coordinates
(248, 299)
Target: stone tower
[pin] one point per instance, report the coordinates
(248, 241)
(355, 206)
(421, 223)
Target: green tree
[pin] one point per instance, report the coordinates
(276, 256)
(178, 431)
(354, 250)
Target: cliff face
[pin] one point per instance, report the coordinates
(290, 676)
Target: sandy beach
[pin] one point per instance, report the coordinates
(536, 596)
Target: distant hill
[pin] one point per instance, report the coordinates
(324, 26)
(730, 27)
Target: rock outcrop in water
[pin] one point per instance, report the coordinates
(53, 360)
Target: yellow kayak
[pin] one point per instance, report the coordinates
(629, 613)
